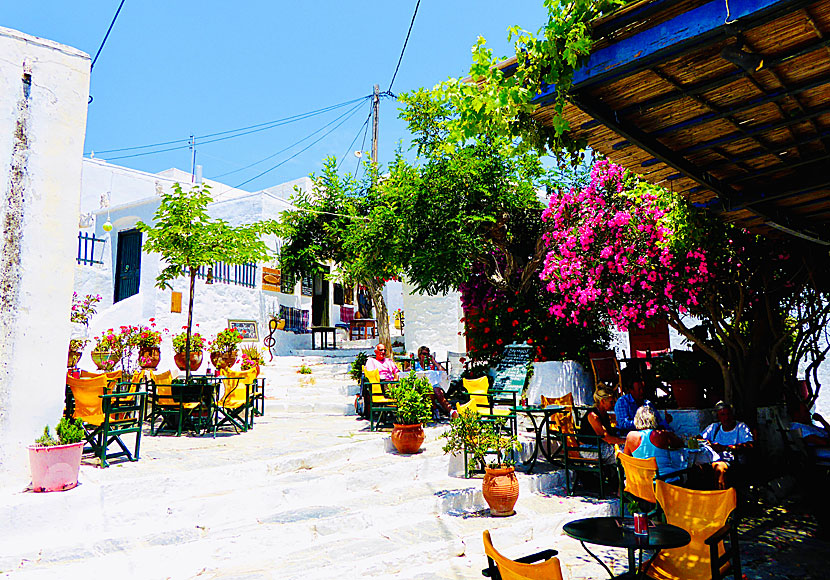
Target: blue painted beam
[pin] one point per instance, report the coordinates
(670, 37)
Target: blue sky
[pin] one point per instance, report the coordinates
(180, 67)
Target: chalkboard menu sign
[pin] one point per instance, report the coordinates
(307, 286)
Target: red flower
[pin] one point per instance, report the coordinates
(515, 323)
(480, 320)
(485, 345)
(499, 341)
(529, 341)
(487, 329)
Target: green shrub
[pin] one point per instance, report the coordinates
(413, 400)
(67, 431)
(357, 366)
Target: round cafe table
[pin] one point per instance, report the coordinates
(619, 533)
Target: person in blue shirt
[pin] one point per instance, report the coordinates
(426, 362)
(627, 406)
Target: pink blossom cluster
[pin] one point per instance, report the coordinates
(610, 250)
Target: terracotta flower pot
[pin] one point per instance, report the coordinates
(72, 359)
(230, 358)
(408, 439)
(195, 360)
(501, 490)
(687, 393)
(104, 359)
(281, 324)
(149, 357)
(55, 468)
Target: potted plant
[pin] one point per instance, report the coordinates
(469, 433)
(413, 407)
(683, 369)
(251, 358)
(76, 349)
(197, 348)
(148, 339)
(55, 462)
(223, 348)
(108, 350)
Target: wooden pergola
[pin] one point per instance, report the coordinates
(725, 101)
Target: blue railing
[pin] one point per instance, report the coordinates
(239, 274)
(86, 249)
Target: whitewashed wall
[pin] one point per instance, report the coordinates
(41, 145)
(434, 321)
(133, 198)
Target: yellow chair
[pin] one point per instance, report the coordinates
(706, 516)
(637, 480)
(236, 404)
(541, 566)
(107, 416)
(379, 404)
(480, 399)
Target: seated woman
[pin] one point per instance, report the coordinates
(649, 440)
(426, 362)
(598, 422)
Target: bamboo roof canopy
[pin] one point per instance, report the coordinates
(725, 101)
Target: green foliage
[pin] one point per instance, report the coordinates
(358, 363)
(493, 103)
(468, 431)
(226, 341)
(67, 432)
(197, 342)
(681, 364)
(186, 236)
(304, 369)
(413, 399)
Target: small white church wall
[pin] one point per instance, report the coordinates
(434, 321)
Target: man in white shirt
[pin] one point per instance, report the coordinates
(732, 439)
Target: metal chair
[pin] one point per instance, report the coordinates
(606, 369)
(107, 416)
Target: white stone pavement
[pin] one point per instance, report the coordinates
(308, 493)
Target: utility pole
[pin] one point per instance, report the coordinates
(193, 162)
(375, 107)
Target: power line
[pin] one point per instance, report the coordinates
(282, 150)
(270, 124)
(362, 148)
(350, 114)
(107, 35)
(361, 128)
(392, 82)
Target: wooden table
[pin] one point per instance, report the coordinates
(619, 533)
(324, 332)
(360, 327)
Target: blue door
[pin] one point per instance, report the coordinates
(127, 264)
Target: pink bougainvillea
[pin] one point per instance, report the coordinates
(612, 248)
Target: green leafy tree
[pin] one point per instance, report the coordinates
(188, 238)
(350, 222)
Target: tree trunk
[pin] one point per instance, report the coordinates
(189, 323)
(376, 292)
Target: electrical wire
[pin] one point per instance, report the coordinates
(309, 136)
(405, 42)
(366, 125)
(257, 127)
(350, 114)
(362, 148)
(106, 36)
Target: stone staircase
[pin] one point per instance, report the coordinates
(308, 493)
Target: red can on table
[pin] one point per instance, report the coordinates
(640, 524)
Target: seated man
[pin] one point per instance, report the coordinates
(627, 406)
(732, 440)
(388, 371)
(386, 366)
(814, 435)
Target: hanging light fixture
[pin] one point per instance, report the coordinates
(749, 61)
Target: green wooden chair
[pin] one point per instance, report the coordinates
(379, 408)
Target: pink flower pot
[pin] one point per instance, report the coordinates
(55, 468)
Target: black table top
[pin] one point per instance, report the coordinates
(611, 531)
